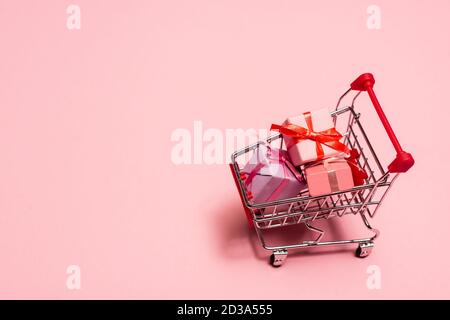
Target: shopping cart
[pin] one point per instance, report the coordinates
(363, 200)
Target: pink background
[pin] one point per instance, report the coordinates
(86, 116)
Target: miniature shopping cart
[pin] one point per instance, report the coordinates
(363, 200)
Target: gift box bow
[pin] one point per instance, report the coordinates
(329, 137)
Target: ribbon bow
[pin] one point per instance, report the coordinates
(359, 174)
(329, 137)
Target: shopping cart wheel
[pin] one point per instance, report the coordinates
(278, 257)
(364, 249)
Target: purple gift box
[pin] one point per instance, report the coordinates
(269, 176)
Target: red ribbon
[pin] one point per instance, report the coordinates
(329, 137)
(359, 174)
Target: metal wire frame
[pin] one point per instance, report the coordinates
(363, 200)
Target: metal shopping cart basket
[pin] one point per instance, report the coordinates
(363, 200)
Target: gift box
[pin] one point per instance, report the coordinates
(269, 176)
(311, 137)
(329, 176)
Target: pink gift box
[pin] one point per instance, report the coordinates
(305, 151)
(329, 176)
(269, 176)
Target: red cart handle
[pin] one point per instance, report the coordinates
(404, 160)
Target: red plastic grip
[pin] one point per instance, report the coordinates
(404, 160)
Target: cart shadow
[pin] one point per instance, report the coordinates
(236, 238)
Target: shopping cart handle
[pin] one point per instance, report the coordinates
(404, 160)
